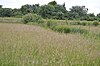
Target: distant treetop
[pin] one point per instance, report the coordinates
(0, 6)
(53, 3)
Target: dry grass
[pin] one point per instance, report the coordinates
(10, 19)
(27, 45)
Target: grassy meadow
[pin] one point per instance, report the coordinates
(32, 45)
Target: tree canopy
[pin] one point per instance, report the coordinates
(52, 10)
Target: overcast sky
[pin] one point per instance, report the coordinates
(92, 5)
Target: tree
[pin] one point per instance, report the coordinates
(64, 5)
(60, 8)
(35, 8)
(0, 6)
(25, 9)
(6, 12)
(73, 15)
(91, 15)
(17, 13)
(78, 11)
(1, 10)
(98, 15)
(46, 11)
(52, 3)
(60, 15)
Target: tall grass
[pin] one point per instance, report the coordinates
(66, 29)
(10, 19)
(28, 45)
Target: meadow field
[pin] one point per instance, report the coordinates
(49, 33)
(32, 45)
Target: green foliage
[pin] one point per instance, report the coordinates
(10, 20)
(46, 11)
(59, 29)
(51, 11)
(60, 15)
(1, 11)
(17, 13)
(53, 3)
(91, 19)
(28, 18)
(84, 23)
(65, 29)
(78, 30)
(0, 6)
(75, 23)
(91, 15)
(95, 23)
(51, 24)
(60, 8)
(25, 9)
(98, 15)
(31, 18)
(77, 11)
(6, 12)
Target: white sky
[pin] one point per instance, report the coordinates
(92, 5)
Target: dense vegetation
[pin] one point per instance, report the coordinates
(52, 10)
(26, 45)
(50, 36)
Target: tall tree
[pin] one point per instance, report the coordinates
(26, 9)
(78, 11)
(29, 8)
(17, 12)
(91, 15)
(46, 11)
(6, 12)
(0, 6)
(53, 3)
(98, 15)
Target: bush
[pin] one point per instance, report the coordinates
(31, 18)
(62, 29)
(91, 19)
(59, 29)
(78, 30)
(51, 24)
(65, 29)
(95, 23)
(84, 23)
(75, 23)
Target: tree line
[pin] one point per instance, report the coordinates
(52, 10)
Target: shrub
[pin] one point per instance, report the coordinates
(78, 30)
(65, 29)
(75, 23)
(83, 23)
(95, 23)
(62, 29)
(51, 24)
(59, 29)
(27, 18)
(31, 18)
(78, 23)
(90, 19)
